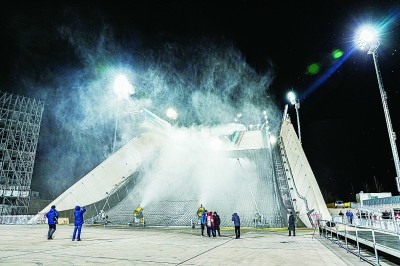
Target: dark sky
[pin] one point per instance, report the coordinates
(60, 52)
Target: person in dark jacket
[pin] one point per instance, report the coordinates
(52, 219)
(78, 214)
(217, 222)
(292, 224)
(236, 222)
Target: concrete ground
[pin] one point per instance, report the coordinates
(28, 245)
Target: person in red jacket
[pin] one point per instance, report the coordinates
(210, 225)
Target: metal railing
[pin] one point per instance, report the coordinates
(376, 222)
(355, 238)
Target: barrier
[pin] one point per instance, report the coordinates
(15, 219)
(63, 220)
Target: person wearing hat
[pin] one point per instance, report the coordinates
(79, 220)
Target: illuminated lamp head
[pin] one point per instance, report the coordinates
(367, 36)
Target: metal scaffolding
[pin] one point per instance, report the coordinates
(20, 119)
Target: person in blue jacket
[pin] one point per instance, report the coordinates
(203, 221)
(236, 222)
(52, 218)
(78, 214)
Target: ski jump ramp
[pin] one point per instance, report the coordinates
(171, 172)
(305, 192)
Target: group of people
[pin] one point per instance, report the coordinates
(52, 220)
(208, 219)
(212, 222)
(349, 216)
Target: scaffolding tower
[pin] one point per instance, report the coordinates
(20, 119)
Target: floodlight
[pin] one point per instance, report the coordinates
(292, 97)
(367, 37)
(172, 114)
(122, 87)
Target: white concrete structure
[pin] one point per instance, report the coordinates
(304, 188)
(110, 174)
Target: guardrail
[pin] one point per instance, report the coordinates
(390, 225)
(384, 241)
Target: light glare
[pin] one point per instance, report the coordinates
(367, 36)
(122, 87)
(172, 114)
(292, 97)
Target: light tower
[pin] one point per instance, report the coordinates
(296, 103)
(368, 40)
(123, 89)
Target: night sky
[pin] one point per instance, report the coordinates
(62, 52)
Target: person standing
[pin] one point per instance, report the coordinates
(341, 215)
(210, 225)
(203, 220)
(236, 222)
(317, 217)
(78, 214)
(348, 216)
(292, 224)
(351, 215)
(217, 222)
(52, 219)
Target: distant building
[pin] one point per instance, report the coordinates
(361, 197)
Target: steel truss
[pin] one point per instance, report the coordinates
(20, 119)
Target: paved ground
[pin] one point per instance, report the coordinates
(28, 245)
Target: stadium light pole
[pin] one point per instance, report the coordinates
(368, 40)
(296, 103)
(123, 89)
